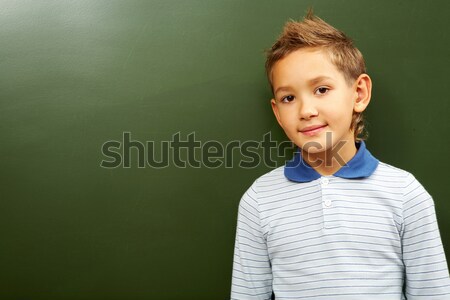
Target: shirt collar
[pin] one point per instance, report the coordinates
(363, 164)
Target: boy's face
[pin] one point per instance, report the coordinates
(313, 99)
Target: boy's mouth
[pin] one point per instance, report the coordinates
(312, 130)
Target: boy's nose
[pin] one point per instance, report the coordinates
(307, 111)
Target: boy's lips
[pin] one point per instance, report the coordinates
(312, 130)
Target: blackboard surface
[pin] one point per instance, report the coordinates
(75, 75)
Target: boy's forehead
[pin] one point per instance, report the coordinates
(307, 65)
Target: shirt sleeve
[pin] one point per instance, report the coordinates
(426, 270)
(252, 273)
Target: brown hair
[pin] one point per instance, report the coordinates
(313, 32)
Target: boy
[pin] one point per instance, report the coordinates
(334, 223)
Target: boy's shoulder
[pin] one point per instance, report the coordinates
(382, 168)
(271, 178)
(274, 179)
(273, 190)
(266, 185)
(274, 174)
(385, 168)
(389, 172)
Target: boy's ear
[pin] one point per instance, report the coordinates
(363, 92)
(273, 102)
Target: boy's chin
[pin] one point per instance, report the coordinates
(313, 146)
(313, 150)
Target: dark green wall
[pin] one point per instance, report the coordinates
(75, 74)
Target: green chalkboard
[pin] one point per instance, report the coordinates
(90, 91)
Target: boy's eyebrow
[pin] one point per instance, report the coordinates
(318, 79)
(282, 88)
(311, 81)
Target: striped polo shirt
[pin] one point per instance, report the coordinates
(367, 232)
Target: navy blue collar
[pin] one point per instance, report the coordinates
(363, 164)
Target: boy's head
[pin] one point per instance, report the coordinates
(333, 52)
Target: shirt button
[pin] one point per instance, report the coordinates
(328, 203)
(324, 181)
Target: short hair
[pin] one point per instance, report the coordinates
(313, 32)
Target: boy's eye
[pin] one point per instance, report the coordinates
(287, 98)
(322, 90)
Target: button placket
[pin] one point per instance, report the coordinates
(327, 203)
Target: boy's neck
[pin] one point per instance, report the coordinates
(327, 162)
